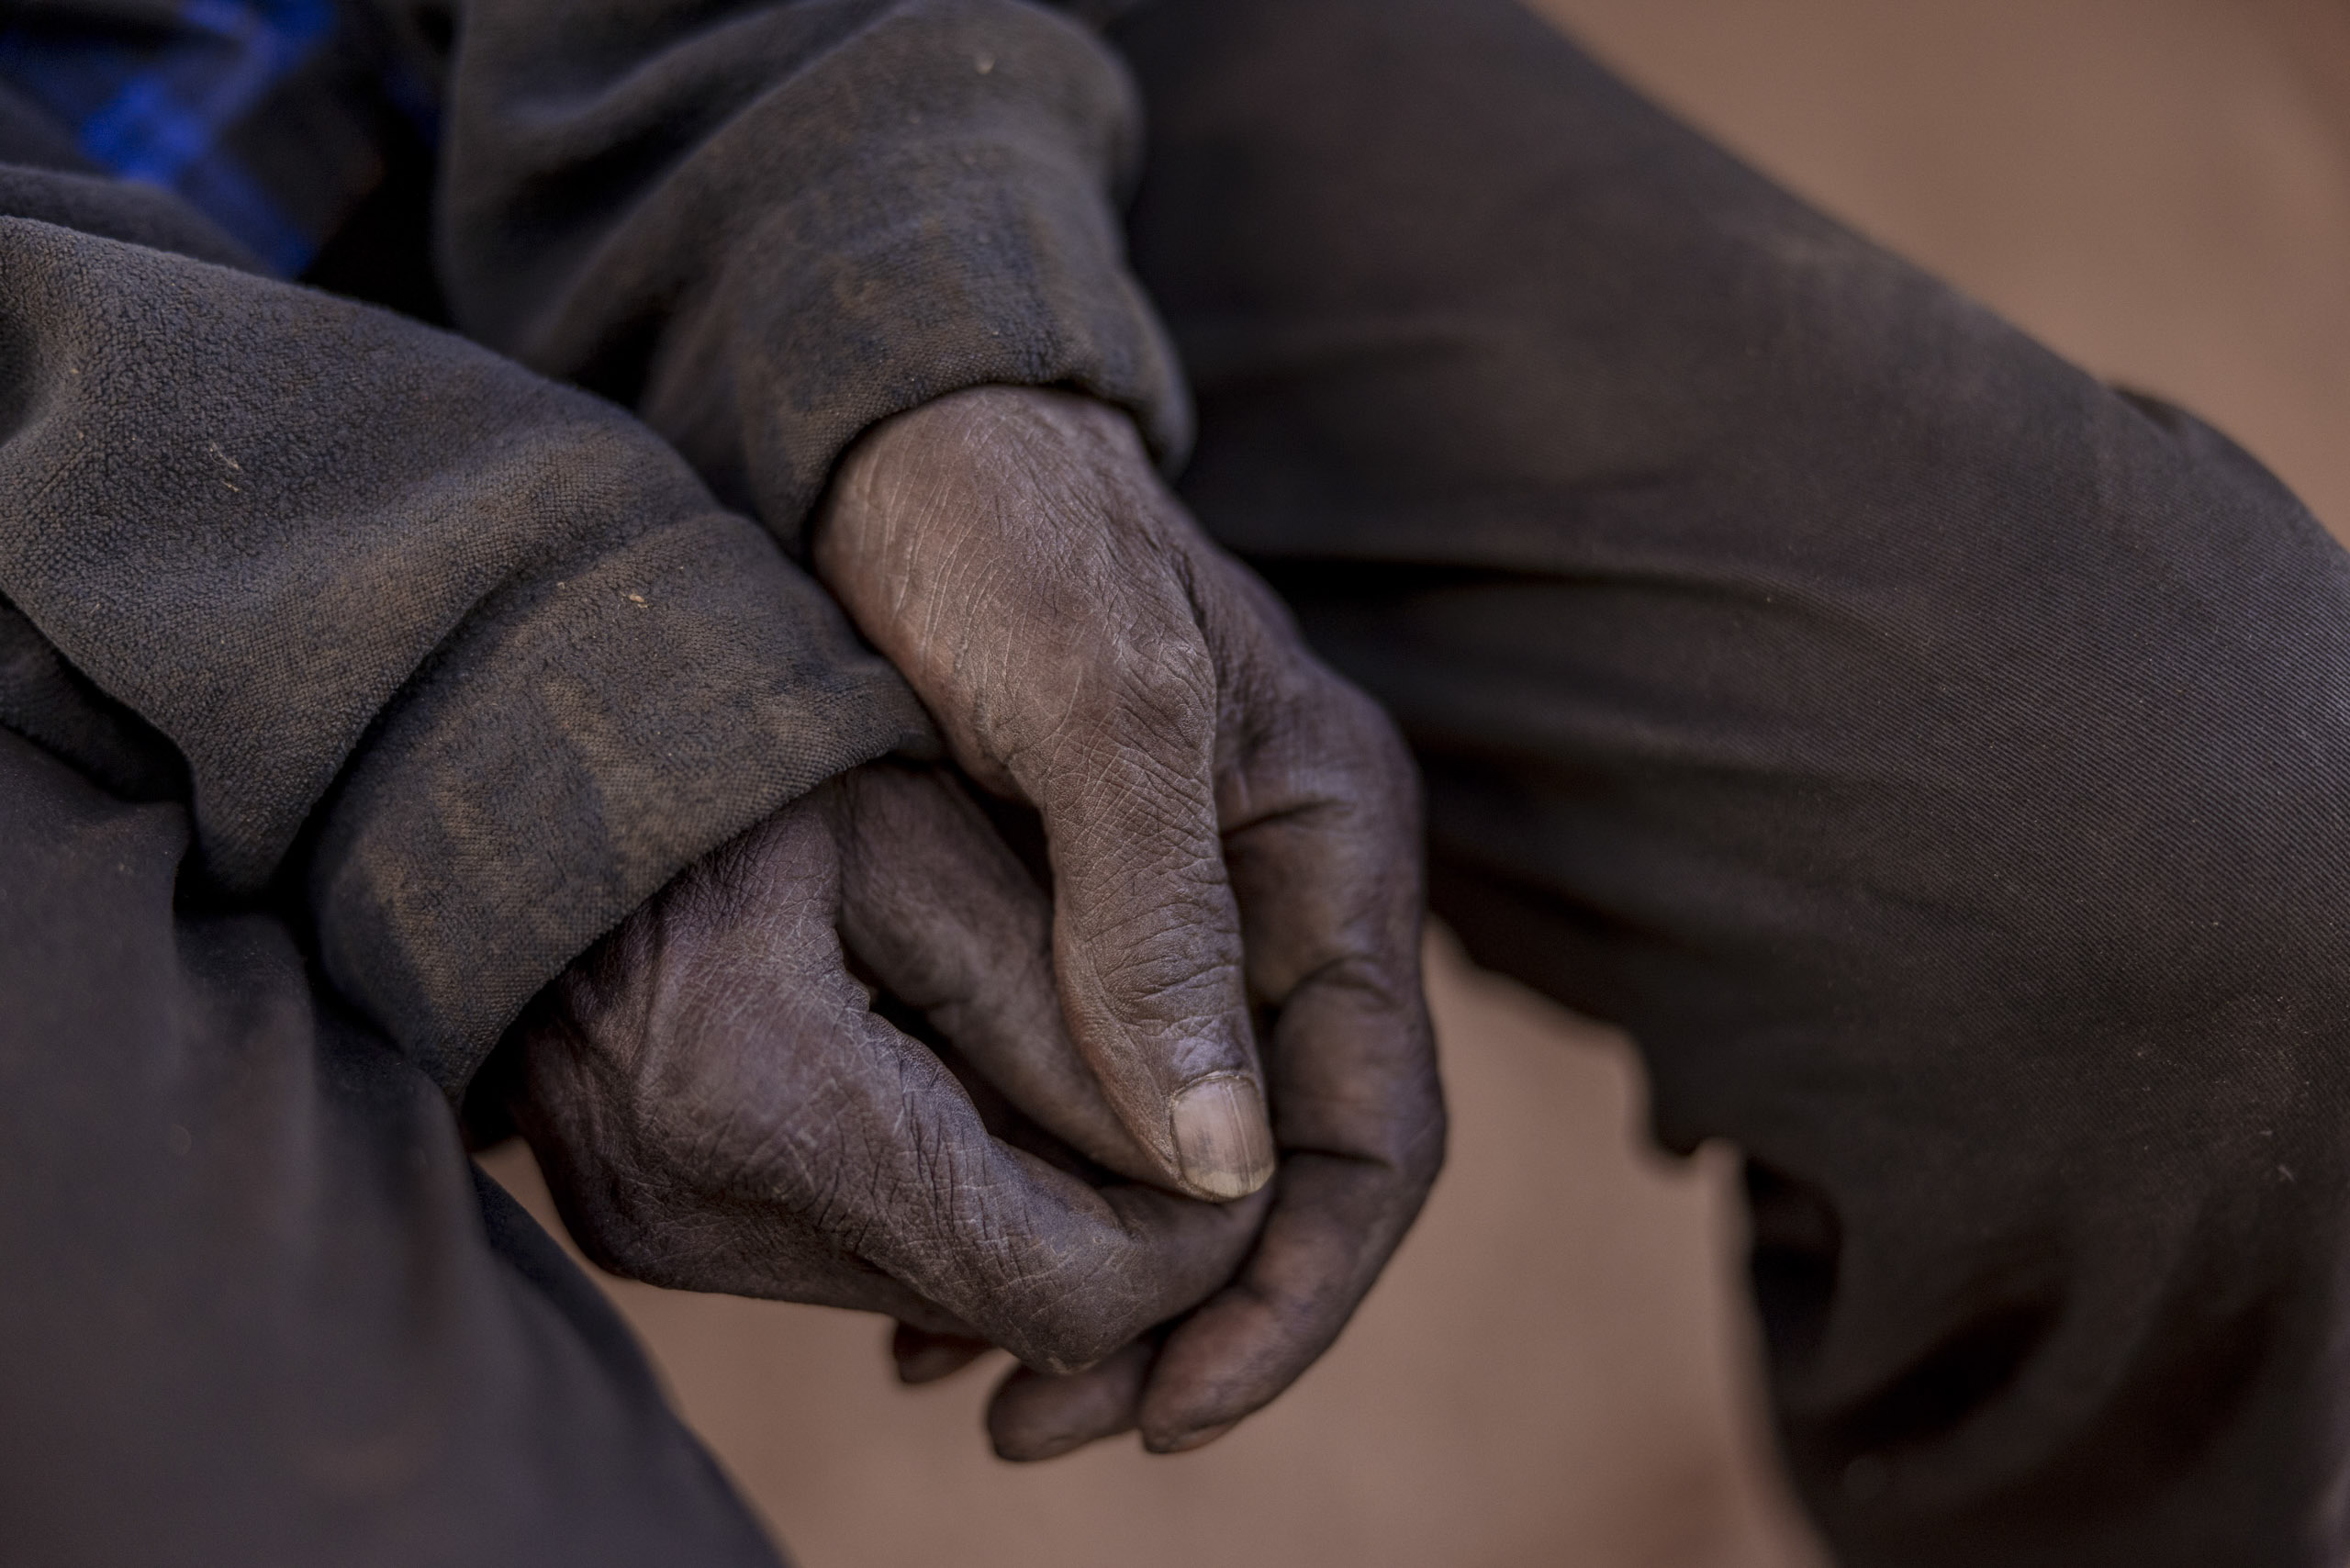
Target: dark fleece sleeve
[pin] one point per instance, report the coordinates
(470, 661)
(767, 225)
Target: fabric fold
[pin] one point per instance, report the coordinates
(480, 647)
(768, 227)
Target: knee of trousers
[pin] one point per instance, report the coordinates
(1985, 884)
(2046, 1129)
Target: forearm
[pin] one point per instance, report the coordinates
(474, 656)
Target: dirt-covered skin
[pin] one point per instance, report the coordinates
(1234, 839)
(718, 1107)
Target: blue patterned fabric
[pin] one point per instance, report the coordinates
(194, 94)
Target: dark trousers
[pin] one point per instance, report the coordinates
(1936, 760)
(256, 1307)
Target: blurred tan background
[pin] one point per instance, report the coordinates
(1557, 1369)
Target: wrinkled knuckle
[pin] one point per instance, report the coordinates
(1362, 731)
(1405, 1138)
(1068, 1303)
(1170, 677)
(1070, 1335)
(722, 1156)
(622, 1220)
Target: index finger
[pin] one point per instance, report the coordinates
(1147, 940)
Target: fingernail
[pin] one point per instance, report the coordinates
(1222, 1137)
(1191, 1440)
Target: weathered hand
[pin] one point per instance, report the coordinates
(1232, 829)
(717, 1107)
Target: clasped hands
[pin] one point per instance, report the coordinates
(1149, 1106)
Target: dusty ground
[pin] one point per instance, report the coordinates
(1554, 1371)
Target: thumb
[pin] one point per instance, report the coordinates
(1146, 932)
(1004, 548)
